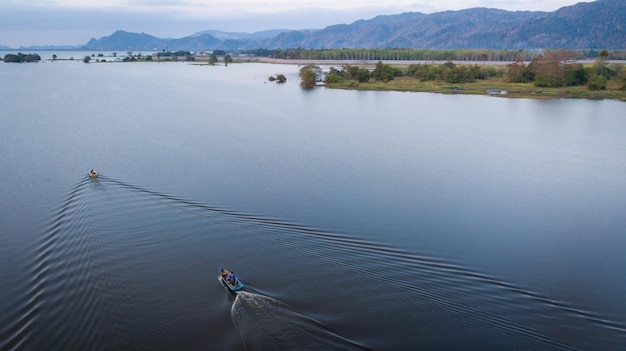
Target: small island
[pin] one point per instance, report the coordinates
(20, 57)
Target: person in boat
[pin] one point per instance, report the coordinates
(232, 278)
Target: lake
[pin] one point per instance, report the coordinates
(357, 220)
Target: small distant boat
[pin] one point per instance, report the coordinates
(93, 173)
(230, 280)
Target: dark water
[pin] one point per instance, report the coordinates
(357, 220)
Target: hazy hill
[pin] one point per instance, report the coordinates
(472, 28)
(261, 35)
(121, 40)
(599, 24)
(596, 25)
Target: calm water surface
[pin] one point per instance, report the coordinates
(357, 220)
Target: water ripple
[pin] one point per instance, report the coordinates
(93, 284)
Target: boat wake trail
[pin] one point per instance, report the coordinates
(268, 324)
(119, 263)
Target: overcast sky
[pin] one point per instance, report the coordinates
(73, 22)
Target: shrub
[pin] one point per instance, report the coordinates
(597, 83)
(383, 72)
(363, 75)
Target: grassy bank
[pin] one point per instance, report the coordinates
(490, 86)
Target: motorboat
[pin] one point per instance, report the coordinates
(229, 279)
(93, 173)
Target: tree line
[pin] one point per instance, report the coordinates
(419, 54)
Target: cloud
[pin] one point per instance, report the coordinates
(41, 22)
(67, 22)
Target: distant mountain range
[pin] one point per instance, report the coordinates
(594, 25)
(257, 36)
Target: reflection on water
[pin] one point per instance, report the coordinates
(120, 263)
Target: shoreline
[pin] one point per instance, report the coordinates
(487, 87)
(496, 87)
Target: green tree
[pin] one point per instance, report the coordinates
(475, 72)
(308, 76)
(457, 74)
(575, 74)
(597, 83)
(86, 59)
(227, 59)
(212, 59)
(363, 75)
(603, 55)
(353, 71)
(280, 78)
(334, 76)
(418, 71)
(383, 72)
(435, 72)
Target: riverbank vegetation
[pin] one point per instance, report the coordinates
(549, 75)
